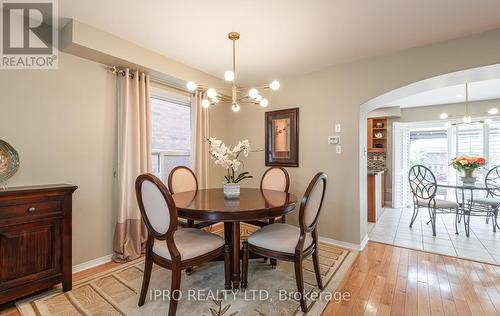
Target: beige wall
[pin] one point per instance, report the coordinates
(335, 96)
(62, 123)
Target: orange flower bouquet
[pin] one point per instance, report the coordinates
(467, 163)
(467, 166)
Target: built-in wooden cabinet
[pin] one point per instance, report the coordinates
(377, 135)
(35, 239)
(375, 199)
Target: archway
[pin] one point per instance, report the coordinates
(450, 79)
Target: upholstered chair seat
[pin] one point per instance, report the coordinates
(493, 202)
(279, 237)
(190, 242)
(439, 203)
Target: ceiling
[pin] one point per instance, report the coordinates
(481, 90)
(282, 37)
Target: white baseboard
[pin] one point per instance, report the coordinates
(345, 244)
(92, 263)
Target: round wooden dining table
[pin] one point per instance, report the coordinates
(253, 204)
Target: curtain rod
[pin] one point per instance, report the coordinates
(118, 71)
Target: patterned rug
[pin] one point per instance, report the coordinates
(270, 291)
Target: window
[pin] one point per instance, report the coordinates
(432, 145)
(171, 132)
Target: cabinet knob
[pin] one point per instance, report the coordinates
(31, 209)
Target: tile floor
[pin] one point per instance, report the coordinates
(393, 228)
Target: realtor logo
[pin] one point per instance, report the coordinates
(29, 34)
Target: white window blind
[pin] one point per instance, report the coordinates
(494, 144)
(470, 140)
(400, 154)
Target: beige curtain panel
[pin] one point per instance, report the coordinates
(134, 158)
(201, 131)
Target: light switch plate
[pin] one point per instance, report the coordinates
(337, 128)
(334, 140)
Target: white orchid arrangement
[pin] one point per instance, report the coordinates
(227, 158)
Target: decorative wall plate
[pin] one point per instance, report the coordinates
(9, 161)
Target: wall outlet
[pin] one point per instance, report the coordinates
(333, 140)
(337, 128)
(338, 149)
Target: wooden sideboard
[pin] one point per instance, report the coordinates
(35, 239)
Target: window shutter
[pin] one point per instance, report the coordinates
(494, 145)
(400, 154)
(470, 140)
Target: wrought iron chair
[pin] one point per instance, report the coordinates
(491, 203)
(290, 243)
(423, 186)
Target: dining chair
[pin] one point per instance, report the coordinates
(290, 243)
(169, 247)
(491, 203)
(274, 178)
(182, 179)
(423, 186)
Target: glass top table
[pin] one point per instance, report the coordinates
(460, 185)
(465, 194)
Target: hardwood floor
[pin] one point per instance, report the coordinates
(388, 280)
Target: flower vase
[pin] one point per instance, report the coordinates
(231, 190)
(469, 176)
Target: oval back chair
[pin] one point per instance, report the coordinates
(290, 243)
(182, 179)
(168, 247)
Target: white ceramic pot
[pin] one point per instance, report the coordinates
(231, 190)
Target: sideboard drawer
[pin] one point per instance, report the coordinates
(30, 208)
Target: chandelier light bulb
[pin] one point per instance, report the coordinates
(275, 85)
(211, 93)
(253, 93)
(235, 107)
(205, 103)
(264, 103)
(229, 75)
(467, 119)
(443, 116)
(493, 111)
(488, 121)
(447, 125)
(191, 86)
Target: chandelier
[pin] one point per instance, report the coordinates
(467, 118)
(237, 95)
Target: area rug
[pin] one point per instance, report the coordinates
(270, 291)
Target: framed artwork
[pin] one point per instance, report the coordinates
(282, 138)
